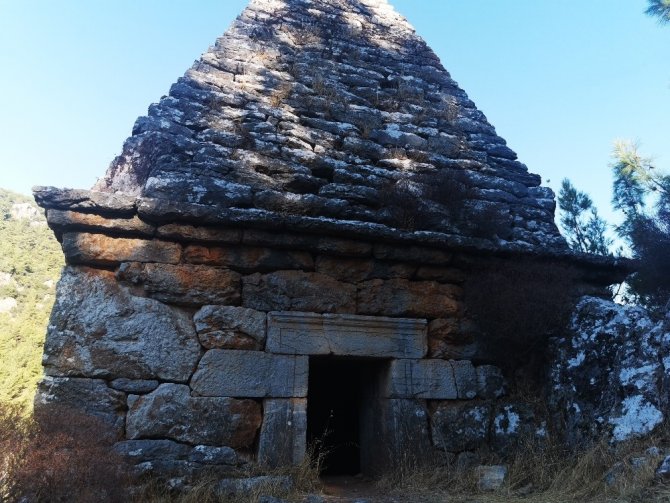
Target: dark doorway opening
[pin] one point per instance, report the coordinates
(342, 396)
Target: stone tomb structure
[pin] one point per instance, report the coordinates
(278, 254)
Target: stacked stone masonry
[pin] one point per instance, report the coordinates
(198, 359)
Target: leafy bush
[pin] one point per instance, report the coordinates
(518, 305)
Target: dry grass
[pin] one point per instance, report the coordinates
(544, 474)
(60, 457)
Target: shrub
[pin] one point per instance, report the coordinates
(518, 305)
(62, 456)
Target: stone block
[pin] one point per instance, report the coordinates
(71, 395)
(400, 297)
(490, 382)
(211, 455)
(228, 327)
(139, 451)
(395, 433)
(250, 374)
(283, 438)
(447, 351)
(98, 249)
(461, 426)
(329, 245)
(248, 259)
(466, 379)
(426, 379)
(192, 233)
(298, 291)
(345, 335)
(74, 221)
(491, 477)
(171, 412)
(415, 254)
(98, 329)
(184, 284)
(356, 270)
(134, 386)
(441, 274)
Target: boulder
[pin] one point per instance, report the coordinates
(491, 478)
(98, 329)
(170, 412)
(607, 377)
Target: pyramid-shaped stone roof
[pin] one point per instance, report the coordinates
(333, 111)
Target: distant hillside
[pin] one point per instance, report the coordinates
(30, 264)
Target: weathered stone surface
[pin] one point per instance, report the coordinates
(396, 433)
(356, 270)
(412, 254)
(248, 259)
(192, 233)
(283, 438)
(399, 297)
(134, 386)
(511, 423)
(490, 382)
(98, 249)
(211, 455)
(138, 451)
(103, 203)
(345, 335)
(170, 412)
(451, 275)
(610, 375)
(60, 220)
(184, 284)
(452, 331)
(65, 395)
(465, 377)
(98, 329)
(447, 351)
(427, 379)
(491, 477)
(250, 374)
(323, 244)
(228, 327)
(298, 291)
(460, 427)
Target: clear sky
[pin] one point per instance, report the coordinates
(559, 79)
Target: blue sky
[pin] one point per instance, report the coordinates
(560, 79)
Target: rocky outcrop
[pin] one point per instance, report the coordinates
(610, 376)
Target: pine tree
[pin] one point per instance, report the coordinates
(584, 229)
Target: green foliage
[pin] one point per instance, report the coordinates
(30, 264)
(659, 9)
(643, 195)
(583, 227)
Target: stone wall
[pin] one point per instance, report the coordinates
(193, 341)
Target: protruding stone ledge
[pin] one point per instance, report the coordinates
(64, 221)
(250, 374)
(345, 335)
(90, 201)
